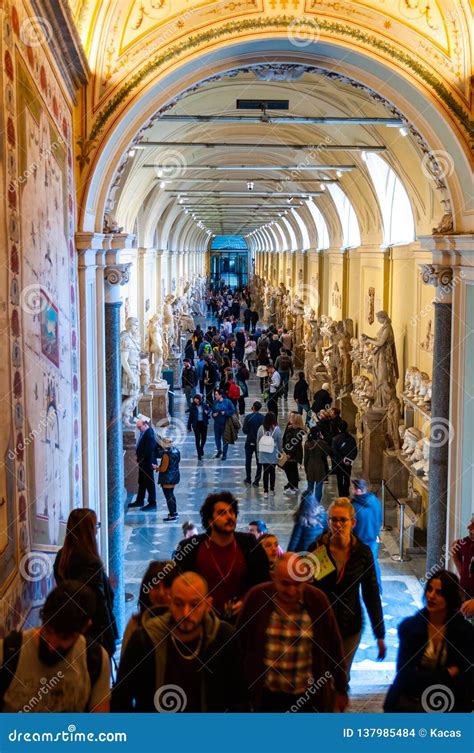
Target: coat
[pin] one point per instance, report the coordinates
(143, 666)
(170, 477)
(193, 415)
(89, 570)
(293, 444)
(327, 655)
(225, 405)
(344, 593)
(315, 452)
(368, 517)
(412, 679)
(146, 450)
(310, 522)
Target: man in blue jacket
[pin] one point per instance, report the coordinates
(222, 409)
(368, 519)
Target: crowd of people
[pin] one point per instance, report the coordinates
(232, 621)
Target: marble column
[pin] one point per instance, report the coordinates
(115, 276)
(440, 426)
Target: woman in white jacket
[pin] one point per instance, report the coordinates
(269, 444)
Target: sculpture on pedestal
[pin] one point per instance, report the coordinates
(130, 355)
(384, 361)
(169, 332)
(392, 419)
(155, 348)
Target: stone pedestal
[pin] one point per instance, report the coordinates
(373, 445)
(348, 412)
(130, 461)
(159, 402)
(174, 363)
(145, 403)
(395, 474)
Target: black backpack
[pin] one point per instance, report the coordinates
(11, 655)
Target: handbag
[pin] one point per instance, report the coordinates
(262, 371)
(282, 459)
(165, 463)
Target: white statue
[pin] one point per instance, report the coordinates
(130, 355)
(169, 331)
(384, 363)
(155, 348)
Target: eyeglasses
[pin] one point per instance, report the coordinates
(339, 520)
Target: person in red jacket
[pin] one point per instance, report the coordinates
(292, 648)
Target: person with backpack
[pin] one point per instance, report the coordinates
(232, 389)
(269, 444)
(168, 474)
(222, 409)
(146, 456)
(344, 448)
(79, 560)
(368, 512)
(301, 398)
(285, 368)
(54, 668)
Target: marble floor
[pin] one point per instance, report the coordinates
(147, 537)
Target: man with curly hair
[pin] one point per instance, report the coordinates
(231, 562)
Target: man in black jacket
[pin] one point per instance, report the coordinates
(252, 423)
(188, 382)
(184, 660)
(231, 562)
(146, 457)
(344, 447)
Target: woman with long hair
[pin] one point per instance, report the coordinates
(310, 522)
(269, 441)
(436, 653)
(293, 437)
(79, 560)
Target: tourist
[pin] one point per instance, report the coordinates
(257, 528)
(270, 545)
(239, 350)
(154, 596)
(186, 660)
(274, 347)
(274, 389)
(286, 339)
(322, 399)
(210, 377)
(300, 396)
(229, 560)
(168, 475)
(254, 320)
(315, 453)
(189, 529)
(368, 513)
(222, 409)
(310, 522)
(293, 437)
(285, 367)
(263, 362)
(463, 558)
(252, 423)
(435, 661)
(79, 560)
(289, 637)
(269, 445)
(54, 668)
(146, 456)
(344, 449)
(198, 422)
(188, 381)
(352, 569)
(242, 375)
(251, 354)
(189, 351)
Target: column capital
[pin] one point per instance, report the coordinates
(115, 275)
(442, 278)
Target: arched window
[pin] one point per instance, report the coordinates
(347, 217)
(291, 233)
(397, 215)
(320, 222)
(303, 229)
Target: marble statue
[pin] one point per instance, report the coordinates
(392, 420)
(169, 331)
(155, 348)
(344, 374)
(130, 355)
(422, 389)
(186, 321)
(384, 362)
(412, 378)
